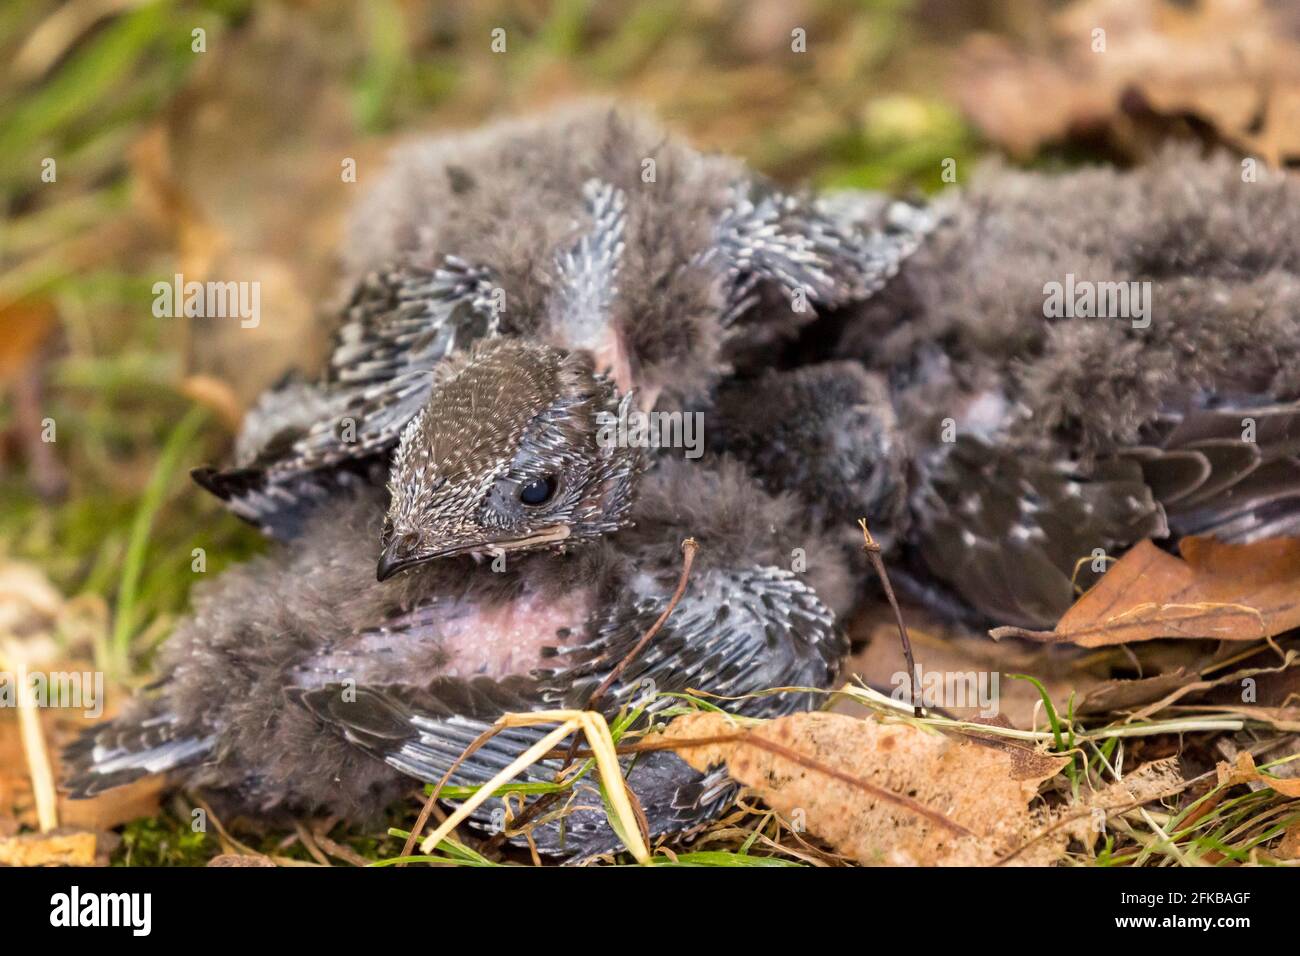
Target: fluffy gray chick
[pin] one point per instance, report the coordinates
(536, 275)
(1003, 437)
(301, 684)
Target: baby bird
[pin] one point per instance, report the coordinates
(301, 684)
(1072, 363)
(492, 335)
(516, 285)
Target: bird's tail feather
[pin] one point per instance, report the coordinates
(1231, 471)
(676, 801)
(150, 741)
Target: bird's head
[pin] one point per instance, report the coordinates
(507, 455)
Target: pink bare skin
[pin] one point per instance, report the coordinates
(455, 639)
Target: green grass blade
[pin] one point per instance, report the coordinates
(181, 438)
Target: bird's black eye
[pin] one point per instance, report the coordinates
(538, 491)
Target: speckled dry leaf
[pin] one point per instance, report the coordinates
(239, 859)
(1244, 771)
(1151, 781)
(1228, 592)
(984, 791)
(49, 849)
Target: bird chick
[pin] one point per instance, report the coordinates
(643, 268)
(504, 457)
(300, 684)
(1005, 442)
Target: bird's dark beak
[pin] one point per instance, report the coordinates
(398, 555)
(394, 559)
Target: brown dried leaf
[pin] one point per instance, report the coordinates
(968, 804)
(114, 807)
(1119, 694)
(944, 650)
(72, 848)
(241, 859)
(1220, 591)
(1232, 64)
(1289, 848)
(26, 324)
(1244, 771)
(1151, 781)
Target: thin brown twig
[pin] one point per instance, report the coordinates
(689, 547)
(309, 844)
(339, 851)
(229, 843)
(643, 746)
(873, 553)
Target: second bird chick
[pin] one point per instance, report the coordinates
(302, 685)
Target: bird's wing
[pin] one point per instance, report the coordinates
(733, 633)
(1232, 471)
(149, 741)
(829, 252)
(736, 631)
(421, 732)
(825, 252)
(1016, 538)
(587, 276)
(397, 328)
